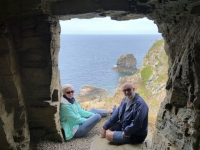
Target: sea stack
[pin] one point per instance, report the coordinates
(126, 63)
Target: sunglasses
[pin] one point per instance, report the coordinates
(128, 90)
(70, 92)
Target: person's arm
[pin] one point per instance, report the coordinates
(82, 112)
(103, 133)
(110, 122)
(114, 117)
(68, 114)
(137, 122)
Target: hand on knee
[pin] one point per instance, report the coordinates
(109, 136)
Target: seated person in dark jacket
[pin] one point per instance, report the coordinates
(129, 122)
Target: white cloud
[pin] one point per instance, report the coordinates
(108, 26)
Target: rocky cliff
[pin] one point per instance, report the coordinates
(88, 93)
(151, 79)
(92, 97)
(29, 75)
(126, 63)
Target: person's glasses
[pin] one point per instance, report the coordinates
(70, 92)
(128, 90)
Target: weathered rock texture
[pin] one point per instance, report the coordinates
(29, 81)
(126, 63)
(92, 97)
(29, 76)
(88, 93)
(178, 118)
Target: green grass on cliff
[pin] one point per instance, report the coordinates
(156, 45)
(161, 78)
(159, 61)
(148, 69)
(146, 73)
(143, 90)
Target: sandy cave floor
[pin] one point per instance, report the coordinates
(93, 141)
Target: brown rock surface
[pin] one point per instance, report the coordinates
(126, 63)
(88, 93)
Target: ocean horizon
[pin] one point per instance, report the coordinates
(88, 59)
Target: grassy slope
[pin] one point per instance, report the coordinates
(155, 63)
(150, 77)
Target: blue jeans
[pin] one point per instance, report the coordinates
(120, 139)
(101, 112)
(118, 134)
(89, 124)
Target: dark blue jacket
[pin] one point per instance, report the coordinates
(134, 121)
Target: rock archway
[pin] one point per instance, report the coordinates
(29, 75)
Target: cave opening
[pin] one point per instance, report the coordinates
(89, 49)
(30, 80)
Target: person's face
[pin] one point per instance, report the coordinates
(69, 92)
(128, 90)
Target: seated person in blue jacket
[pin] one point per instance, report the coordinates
(129, 122)
(75, 121)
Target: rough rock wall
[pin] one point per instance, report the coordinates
(30, 81)
(178, 119)
(41, 77)
(13, 115)
(38, 55)
(29, 77)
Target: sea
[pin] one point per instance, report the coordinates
(89, 59)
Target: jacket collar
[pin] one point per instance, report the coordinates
(64, 101)
(70, 100)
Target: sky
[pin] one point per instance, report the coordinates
(108, 26)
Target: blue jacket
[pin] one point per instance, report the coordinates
(134, 121)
